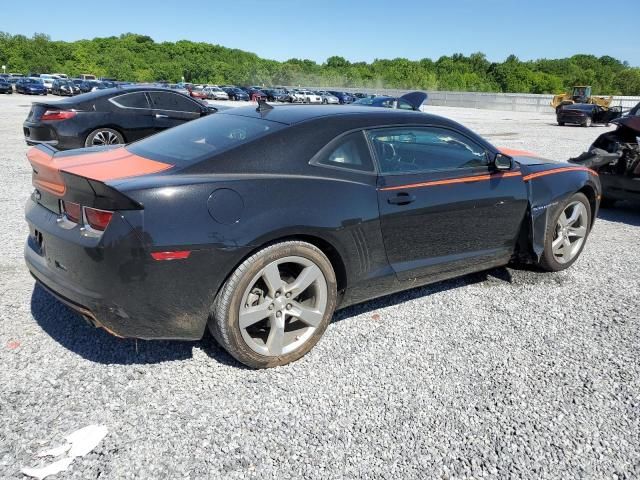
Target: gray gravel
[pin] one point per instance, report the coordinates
(510, 374)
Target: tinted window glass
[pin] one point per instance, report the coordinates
(201, 139)
(172, 101)
(132, 100)
(350, 152)
(402, 104)
(425, 149)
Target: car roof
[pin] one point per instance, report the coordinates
(292, 114)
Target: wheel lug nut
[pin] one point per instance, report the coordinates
(288, 306)
(277, 294)
(278, 314)
(271, 307)
(288, 295)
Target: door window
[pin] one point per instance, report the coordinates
(416, 149)
(173, 101)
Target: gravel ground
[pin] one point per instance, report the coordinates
(510, 373)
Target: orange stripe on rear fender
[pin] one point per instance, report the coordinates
(450, 181)
(531, 176)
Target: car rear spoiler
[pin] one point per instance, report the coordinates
(52, 181)
(415, 99)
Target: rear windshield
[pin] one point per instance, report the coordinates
(200, 139)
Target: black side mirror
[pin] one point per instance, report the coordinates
(502, 162)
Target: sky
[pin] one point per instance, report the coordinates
(358, 30)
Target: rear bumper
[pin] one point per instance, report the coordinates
(38, 133)
(114, 282)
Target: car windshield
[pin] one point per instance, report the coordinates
(33, 81)
(201, 139)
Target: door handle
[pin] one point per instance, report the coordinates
(401, 199)
(160, 115)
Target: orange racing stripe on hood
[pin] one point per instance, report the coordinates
(516, 153)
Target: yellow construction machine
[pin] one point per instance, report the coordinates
(580, 94)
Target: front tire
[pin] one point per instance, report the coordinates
(104, 136)
(567, 231)
(276, 305)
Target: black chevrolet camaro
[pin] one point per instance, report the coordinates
(261, 222)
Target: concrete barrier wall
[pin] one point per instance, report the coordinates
(518, 102)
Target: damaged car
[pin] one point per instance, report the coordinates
(586, 114)
(615, 156)
(259, 223)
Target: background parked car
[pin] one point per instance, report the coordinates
(255, 93)
(409, 101)
(47, 80)
(30, 86)
(328, 98)
(85, 86)
(64, 87)
(586, 114)
(109, 117)
(216, 93)
(5, 86)
(277, 95)
(197, 92)
(343, 97)
(236, 93)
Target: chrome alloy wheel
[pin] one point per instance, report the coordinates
(105, 137)
(570, 233)
(282, 306)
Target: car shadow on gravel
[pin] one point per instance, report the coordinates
(623, 212)
(71, 331)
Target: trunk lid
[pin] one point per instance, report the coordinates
(81, 176)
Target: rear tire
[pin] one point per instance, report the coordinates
(567, 231)
(104, 136)
(588, 122)
(264, 315)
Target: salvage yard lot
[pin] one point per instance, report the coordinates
(510, 373)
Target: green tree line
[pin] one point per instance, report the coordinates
(139, 58)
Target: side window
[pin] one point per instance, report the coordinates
(350, 152)
(406, 150)
(172, 101)
(132, 100)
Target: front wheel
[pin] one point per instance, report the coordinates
(276, 305)
(102, 137)
(587, 122)
(567, 231)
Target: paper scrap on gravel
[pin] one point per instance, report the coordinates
(79, 443)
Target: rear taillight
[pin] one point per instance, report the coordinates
(73, 211)
(97, 219)
(57, 115)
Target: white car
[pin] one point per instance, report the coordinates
(48, 80)
(216, 93)
(310, 97)
(328, 98)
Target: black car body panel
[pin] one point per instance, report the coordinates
(616, 157)
(223, 200)
(135, 112)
